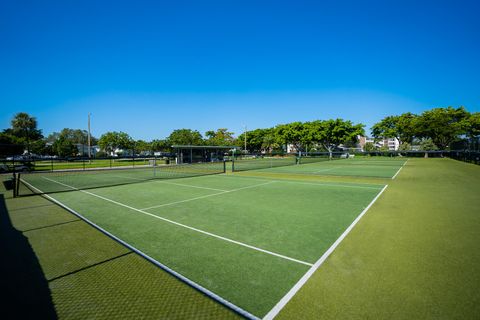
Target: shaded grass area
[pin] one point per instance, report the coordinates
(56, 266)
(414, 255)
(25, 289)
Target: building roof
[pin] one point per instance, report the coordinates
(181, 146)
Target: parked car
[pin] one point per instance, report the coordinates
(15, 158)
(17, 168)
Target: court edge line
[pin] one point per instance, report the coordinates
(281, 304)
(177, 275)
(213, 235)
(399, 170)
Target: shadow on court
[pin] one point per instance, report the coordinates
(26, 294)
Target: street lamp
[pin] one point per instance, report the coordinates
(245, 139)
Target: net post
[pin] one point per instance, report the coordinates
(224, 166)
(154, 166)
(16, 184)
(233, 164)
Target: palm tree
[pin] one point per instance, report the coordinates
(25, 126)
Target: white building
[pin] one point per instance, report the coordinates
(391, 143)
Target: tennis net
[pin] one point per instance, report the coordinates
(262, 163)
(61, 181)
(320, 157)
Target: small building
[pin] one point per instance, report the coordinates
(194, 154)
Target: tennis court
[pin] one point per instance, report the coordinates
(247, 240)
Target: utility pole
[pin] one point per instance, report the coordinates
(89, 140)
(245, 139)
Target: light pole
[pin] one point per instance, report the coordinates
(89, 139)
(245, 139)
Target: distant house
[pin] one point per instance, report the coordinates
(291, 148)
(391, 143)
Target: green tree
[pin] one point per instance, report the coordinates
(9, 144)
(369, 146)
(442, 125)
(221, 137)
(401, 127)
(333, 133)
(64, 147)
(52, 137)
(185, 137)
(405, 147)
(160, 145)
(473, 125)
(24, 127)
(268, 142)
(142, 146)
(291, 133)
(427, 144)
(112, 141)
(255, 139)
(76, 136)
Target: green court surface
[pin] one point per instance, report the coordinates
(360, 167)
(246, 239)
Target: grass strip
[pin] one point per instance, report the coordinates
(414, 255)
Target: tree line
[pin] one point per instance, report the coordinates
(438, 128)
(433, 129)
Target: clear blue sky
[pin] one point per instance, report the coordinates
(148, 67)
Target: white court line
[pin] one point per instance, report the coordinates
(279, 306)
(332, 185)
(188, 227)
(207, 196)
(399, 169)
(323, 170)
(188, 185)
